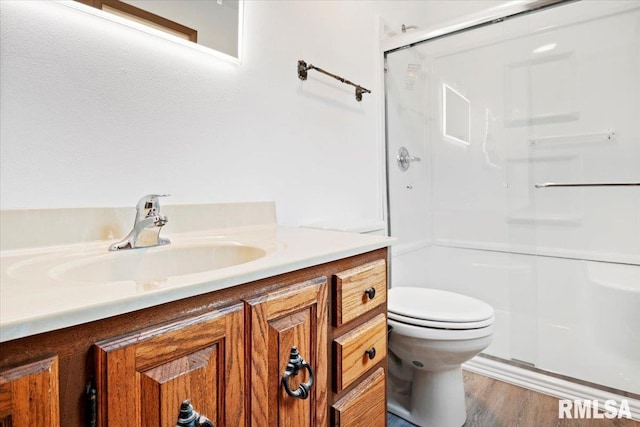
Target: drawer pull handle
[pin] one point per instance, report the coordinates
(293, 367)
(371, 292)
(188, 417)
(371, 353)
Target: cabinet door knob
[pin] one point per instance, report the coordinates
(371, 353)
(188, 417)
(293, 367)
(371, 292)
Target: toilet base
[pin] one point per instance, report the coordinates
(436, 400)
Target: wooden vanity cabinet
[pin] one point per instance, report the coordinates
(225, 351)
(29, 395)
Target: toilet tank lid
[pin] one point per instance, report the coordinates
(352, 225)
(437, 305)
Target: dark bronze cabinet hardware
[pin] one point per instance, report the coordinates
(371, 353)
(296, 362)
(188, 417)
(91, 404)
(303, 67)
(371, 292)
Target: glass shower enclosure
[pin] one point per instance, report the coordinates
(522, 141)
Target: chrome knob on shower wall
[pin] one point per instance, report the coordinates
(405, 159)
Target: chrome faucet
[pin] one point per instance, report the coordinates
(146, 228)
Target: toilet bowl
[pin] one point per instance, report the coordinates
(432, 334)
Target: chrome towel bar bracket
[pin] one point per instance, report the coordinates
(303, 67)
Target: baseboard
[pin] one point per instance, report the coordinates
(536, 381)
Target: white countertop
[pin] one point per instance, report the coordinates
(35, 299)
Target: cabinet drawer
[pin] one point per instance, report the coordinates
(359, 349)
(365, 405)
(359, 290)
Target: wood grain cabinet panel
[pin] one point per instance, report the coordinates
(359, 350)
(29, 395)
(143, 378)
(364, 406)
(359, 290)
(295, 315)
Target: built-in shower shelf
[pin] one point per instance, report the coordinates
(545, 158)
(608, 135)
(535, 249)
(542, 119)
(572, 220)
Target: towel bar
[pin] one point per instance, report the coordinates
(303, 67)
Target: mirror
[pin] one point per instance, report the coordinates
(214, 24)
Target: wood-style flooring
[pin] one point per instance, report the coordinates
(493, 403)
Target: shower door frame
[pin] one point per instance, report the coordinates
(487, 17)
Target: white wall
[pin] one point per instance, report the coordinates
(96, 114)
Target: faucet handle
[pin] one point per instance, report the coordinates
(149, 204)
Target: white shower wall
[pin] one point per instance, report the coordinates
(561, 266)
(484, 194)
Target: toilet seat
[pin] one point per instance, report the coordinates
(427, 333)
(433, 308)
(440, 325)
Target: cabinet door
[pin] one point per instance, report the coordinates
(29, 395)
(295, 316)
(142, 379)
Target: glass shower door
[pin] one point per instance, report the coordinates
(500, 115)
(572, 101)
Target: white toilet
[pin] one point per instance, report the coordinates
(432, 333)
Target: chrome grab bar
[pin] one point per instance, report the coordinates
(599, 184)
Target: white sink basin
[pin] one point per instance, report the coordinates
(155, 263)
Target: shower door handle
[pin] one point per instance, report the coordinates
(404, 159)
